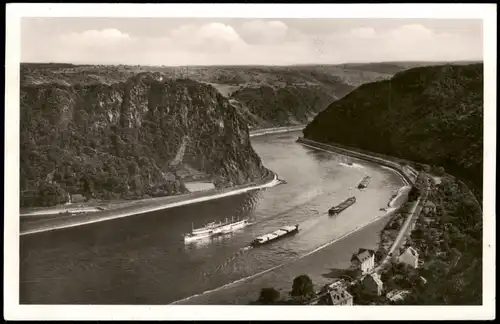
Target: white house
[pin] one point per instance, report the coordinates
(410, 257)
(340, 297)
(364, 260)
(336, 295)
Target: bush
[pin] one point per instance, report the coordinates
(439, 171)
(302, 287)
(268, 296)
(413, 194)
(47, 194)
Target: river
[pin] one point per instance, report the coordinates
(142, 259)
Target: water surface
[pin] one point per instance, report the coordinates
(142, 259)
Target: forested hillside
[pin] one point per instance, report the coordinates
(144, 136)
(432, 115)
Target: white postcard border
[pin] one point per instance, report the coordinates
(14, 311)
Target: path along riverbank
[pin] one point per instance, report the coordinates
(53, 218)
(141, 207)
(96, 206)
(275, 130)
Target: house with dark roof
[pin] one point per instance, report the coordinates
(372, 284)
(364, 260)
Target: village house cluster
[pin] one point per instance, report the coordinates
(370, 281)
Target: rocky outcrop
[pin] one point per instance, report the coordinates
(133, 137)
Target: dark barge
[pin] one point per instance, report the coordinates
(342, 206)
(271, 237)
(364, 182)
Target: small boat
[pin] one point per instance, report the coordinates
(271, 237)
(343, 205)
(364, 182)
(213, 229)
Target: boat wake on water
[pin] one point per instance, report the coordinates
(283, 264)
(351, 165)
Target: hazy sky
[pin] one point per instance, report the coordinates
(200, 41)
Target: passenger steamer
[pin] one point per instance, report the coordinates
(213, 229)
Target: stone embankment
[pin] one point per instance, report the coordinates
(408, 173)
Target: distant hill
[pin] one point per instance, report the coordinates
(395, 67)
(432, 115)
(265, 96)
(48, 65)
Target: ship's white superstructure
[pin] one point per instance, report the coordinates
(214, 229)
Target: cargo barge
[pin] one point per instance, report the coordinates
(364, 182)
(271, 237)
(343, 205)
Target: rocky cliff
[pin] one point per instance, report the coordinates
(130, 136)
(265, 96)
(432, 115)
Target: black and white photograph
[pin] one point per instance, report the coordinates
(159, 156)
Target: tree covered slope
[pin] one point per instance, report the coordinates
(114, 139)
(432, 115)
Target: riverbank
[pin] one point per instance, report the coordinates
(275, 130)
(402, 194)
(96, 206)
(407, 172)
(390, 236)
(31, 225)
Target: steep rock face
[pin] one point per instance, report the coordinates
(265, 96)
(144, 136)
(432, 115)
